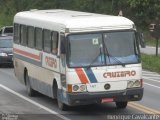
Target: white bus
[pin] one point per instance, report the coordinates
(78, 58)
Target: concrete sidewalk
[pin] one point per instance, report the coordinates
(150, 50)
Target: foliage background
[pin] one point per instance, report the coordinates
(142, 12)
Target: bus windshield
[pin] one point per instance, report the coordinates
(99, 49)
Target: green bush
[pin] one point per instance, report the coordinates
(5, 20)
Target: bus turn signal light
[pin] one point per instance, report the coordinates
(69, 88)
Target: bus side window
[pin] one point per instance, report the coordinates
(16, 33)
(38, 37)
(47, 40)
(55, 42)
(31, 42)
(24, 35)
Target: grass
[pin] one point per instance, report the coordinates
(151, 62)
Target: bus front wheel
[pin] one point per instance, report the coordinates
(61, 105)
(121, 105)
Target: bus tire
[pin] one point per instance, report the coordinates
(61, 105)
(30, 91)
(121, 105)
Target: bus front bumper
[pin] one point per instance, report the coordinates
(73, 99)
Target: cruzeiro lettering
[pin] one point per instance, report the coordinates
(51, 62)
(119, 74)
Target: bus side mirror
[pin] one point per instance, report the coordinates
(141, 39)
(63, 44)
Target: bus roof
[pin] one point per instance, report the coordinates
(72, 21)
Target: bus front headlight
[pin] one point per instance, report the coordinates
(137, 83)
(134, 83)
(78, 88)
(75, 88)
(82, 88)
(130, 84)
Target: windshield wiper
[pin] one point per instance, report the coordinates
(100, 54)
(114, 58)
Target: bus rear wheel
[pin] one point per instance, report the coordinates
(121, 105)
(30, 91)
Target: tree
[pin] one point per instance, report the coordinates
(144, 11)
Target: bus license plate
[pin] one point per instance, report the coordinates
(104, 100)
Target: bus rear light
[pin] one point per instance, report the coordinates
(69, 88)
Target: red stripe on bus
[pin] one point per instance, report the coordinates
(81, 75)
(37, 57)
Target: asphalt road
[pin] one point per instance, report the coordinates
(14, 101)
(149, 50)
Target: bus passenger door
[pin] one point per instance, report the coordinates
(62, 54)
